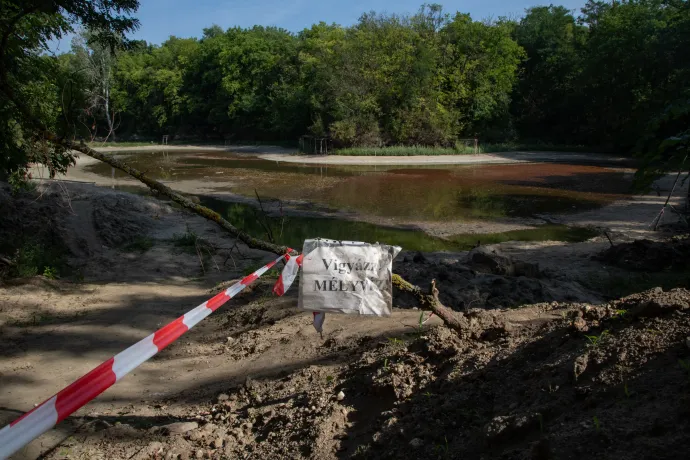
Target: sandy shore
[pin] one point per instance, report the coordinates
(288, 155)
(493, 158)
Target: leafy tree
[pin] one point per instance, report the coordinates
(547, 103)
(32, 116)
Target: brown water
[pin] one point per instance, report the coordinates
(395, 194)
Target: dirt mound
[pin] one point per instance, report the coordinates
(650, 256)
(545, 381)
(486, 279)
(119, 218)
(31, 229)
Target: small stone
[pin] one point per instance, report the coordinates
(580, 365)
(199, 454)
(340, 396)
(195, 435)
(155, 447)
(580, 324)
(181, 427)
(217, 443)
(229, 339)
(209, 428)
(416, 443)
(223, 397)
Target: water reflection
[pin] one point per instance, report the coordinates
(402, 194)
(292, 231)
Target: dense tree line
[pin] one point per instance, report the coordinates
(613, 76)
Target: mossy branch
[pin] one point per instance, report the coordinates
(430, 301)
(153, 184)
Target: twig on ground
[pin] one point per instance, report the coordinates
(606, 233)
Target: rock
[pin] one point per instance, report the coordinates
(217, 443)
(199, 453)
(416, 443)
(580, 324)
(504, 425)
(229, 339)
(340, 396)
(580, 365)
(155, 448)
(180, 427)
(195, 435)
(485, 260)
(223, 397)
(419, 258)
(209, 428)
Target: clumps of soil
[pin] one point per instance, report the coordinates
(649, 256)
(550, 381)
(486, 278)
(119, 219)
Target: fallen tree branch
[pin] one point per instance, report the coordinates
(153, 184)
(430, 301)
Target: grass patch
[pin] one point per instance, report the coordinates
(187, 241)
(542, 233)
(402, 150)
(33, 259)
(412, 150)
(140, 244)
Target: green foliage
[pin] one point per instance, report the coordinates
(595, 340)
(188, 240)
(401, 150)
(50, 272)
(33, 259)
(613, 78)
(36, 98)
(459, 149)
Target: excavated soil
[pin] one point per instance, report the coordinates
(547, 381)
(650, 256)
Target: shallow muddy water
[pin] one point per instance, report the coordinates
(392, 195)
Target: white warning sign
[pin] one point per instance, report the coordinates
(347, 277)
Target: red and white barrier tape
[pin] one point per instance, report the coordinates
(51, 412)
